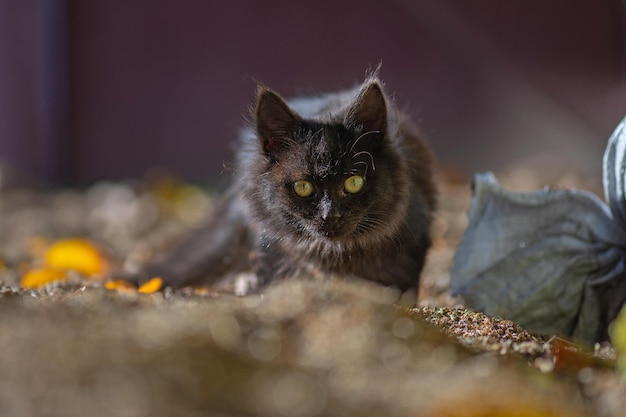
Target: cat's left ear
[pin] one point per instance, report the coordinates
(369, 108)
(275, 122)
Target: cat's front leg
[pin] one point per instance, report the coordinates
(246, 283)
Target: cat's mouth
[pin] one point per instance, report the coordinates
(332, 233)
(334, 230)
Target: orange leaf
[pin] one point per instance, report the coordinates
(78, 255)
(119, 285)
(39, 277)
(151, 286)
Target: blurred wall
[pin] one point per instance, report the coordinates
(101, 89)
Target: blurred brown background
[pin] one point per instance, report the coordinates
(107, 89)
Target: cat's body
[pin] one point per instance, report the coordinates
(338, 184)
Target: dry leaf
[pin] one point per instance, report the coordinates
(78, 255)
(119, 285)
(151, 286)
(37, 278)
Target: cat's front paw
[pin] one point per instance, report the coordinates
(245, 283)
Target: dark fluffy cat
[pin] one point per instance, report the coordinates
(339, 184)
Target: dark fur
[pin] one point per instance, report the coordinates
(262, 226)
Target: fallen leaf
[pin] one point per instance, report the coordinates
(119, 285)
(37, 278)
(201, 290)
(78, 255)
(151, 286)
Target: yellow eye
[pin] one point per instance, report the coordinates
(354, 184)
(303, 188)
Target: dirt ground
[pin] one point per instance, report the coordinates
(303, 349)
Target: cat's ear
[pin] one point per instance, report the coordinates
(275, 122)
(369, 108)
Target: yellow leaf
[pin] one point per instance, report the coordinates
(39, 277)
(119, 285)
(78, 255)
(151, 286)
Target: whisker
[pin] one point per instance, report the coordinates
(367, 229)
(361, 137)
(366, 167)
(368, 154)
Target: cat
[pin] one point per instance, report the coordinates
(334, 185)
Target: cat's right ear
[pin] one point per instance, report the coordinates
(275, 122)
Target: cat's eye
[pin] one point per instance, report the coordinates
(303, 188)
(354, 184)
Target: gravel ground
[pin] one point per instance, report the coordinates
(348, 347)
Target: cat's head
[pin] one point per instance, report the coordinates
(334, 177)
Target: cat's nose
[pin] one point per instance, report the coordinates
(328, 210)
(333, 215)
